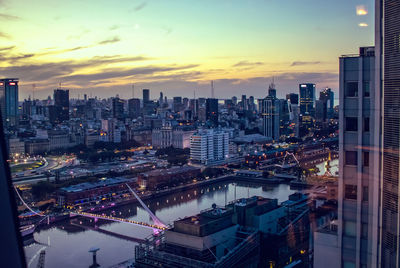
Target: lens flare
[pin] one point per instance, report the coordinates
(361, 10)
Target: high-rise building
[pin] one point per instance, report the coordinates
(326, 96)
(244, 102)
(9, 101)
(208, 146)
(118, 108)
(388, 56)
(177, 104)
(307, 98)
(359, 145)
(161, 99)
(359, 166)
(234, 100)
(212, 111)
(194, 107)
(293, 98)
(61, 104)
(134, 108)
(146, 96)
(269, 108)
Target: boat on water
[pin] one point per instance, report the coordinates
(27, 230)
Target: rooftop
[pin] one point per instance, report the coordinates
(256, 138)
(173, 170)
(93, 185)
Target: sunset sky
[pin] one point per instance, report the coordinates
(101, 47)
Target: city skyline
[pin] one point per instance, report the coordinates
(178, 47)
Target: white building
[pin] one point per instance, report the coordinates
(208, 146)
(167, 136)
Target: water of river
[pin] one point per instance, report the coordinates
(69, 242)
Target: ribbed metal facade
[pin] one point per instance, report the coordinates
(391, 133)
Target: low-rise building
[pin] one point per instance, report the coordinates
(59, 139)
(155, 179)
(209, 239)
(16, 146)
(92, 192)
(36, 146)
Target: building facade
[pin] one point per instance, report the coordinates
(307, 98)
(388, 53)
(212, 111)
(61, 105)
(208, 146)
(270, 108)
(9, 101)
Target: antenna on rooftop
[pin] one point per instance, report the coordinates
(133, 91)
(212, 89)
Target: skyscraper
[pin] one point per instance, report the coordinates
(9, 101)
(388, 54)
(293, 98)
(177, 103)
(244, 102)
(270, 114)
(307, 98)
(326, 96)
(212, 111)
(134, 108)
(118, 108)
(61, 105)
(146, 96)
(161, 99)
(358, 171)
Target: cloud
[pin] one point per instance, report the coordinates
(4, 35)
(361, 10)
(60, 51)
(363, 24)
(301, 63)
(140, 7)
(15, 58)
(8, 17)
(6, 48)
(106, 74)
(48, 71)
(109, 41)
(247, 64)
